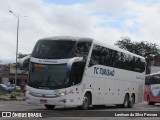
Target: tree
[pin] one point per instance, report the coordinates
(157, 61)
(143, 48)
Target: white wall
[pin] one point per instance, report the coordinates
(155, 69)
(5, 81)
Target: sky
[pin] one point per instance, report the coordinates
(103, 20)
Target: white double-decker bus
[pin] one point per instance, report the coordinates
(72, 71)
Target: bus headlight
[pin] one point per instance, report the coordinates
(62, 93)
(28, 92)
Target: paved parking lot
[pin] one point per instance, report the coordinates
(49, 115)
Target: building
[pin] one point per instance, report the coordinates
(7, 73)
(155, 69)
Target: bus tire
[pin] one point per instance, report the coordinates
(131, 103)
(126, 101)
(50, 107)
(86, 102)
(149, 102)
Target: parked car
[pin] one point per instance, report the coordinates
(12, 86)
(4, 87)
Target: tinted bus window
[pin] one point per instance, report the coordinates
(49, 49)
(82, 49)
(112, 58)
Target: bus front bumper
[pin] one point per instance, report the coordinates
(59, 101)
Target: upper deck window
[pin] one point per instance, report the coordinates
(82, 49)
(112, 58)
(53, 49)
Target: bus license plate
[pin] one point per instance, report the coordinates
(43, 101)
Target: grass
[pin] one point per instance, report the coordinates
(3, 93)
(15, 94)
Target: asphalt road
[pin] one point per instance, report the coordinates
(62, 113)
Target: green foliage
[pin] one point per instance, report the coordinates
(7, 95)
(157, 60)
(15, 93)
(3, 93)
(143, 48)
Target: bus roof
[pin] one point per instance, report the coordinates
(94, 41)
(67, 38)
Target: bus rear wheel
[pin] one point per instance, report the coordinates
(131, 103)
(149, 102)
(50, 107)
(126, 101)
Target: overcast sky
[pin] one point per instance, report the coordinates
(103, 20)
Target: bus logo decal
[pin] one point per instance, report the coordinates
(154, 91)
(103, 71)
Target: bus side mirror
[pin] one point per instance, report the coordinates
(71, 68)
(71, 61)
(24, 62)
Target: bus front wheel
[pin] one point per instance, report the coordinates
(50, 107)
(86, 102)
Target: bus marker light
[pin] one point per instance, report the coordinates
(39, 65)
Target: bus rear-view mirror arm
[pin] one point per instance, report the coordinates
(71, 61)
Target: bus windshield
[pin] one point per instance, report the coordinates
(53, 49)
(48, 76)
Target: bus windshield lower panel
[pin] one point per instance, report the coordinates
(43, 76)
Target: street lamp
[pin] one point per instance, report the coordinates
(17, 16)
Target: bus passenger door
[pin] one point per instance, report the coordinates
(75, 95)
(75, 77)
